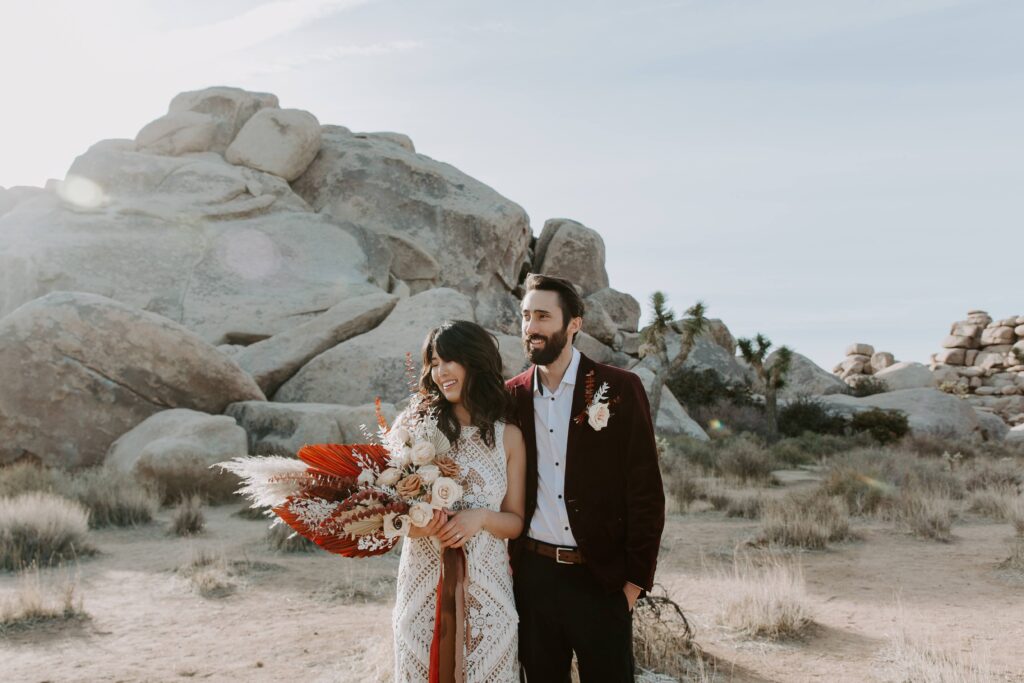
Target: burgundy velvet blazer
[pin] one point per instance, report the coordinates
(613, 491)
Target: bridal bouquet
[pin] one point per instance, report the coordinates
(357, 500)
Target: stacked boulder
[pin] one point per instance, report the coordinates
(861, 363)
(240, 259)
(983, 360)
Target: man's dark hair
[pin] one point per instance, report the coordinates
(569, 299)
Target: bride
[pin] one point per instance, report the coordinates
(455, 616)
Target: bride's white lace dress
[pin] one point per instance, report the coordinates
(491, 654)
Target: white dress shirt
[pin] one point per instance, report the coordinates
(551, 416)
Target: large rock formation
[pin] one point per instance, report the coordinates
(573, 251)
(80, 370)
(284, 428)
(928, 411)
(177, 438)
(359, 370)
(444, 228)
(805, 378)
(273, 361)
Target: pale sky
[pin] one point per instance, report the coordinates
(822, 171)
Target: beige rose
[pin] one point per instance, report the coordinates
(422, 453)
(420, 514)
(445, 493)
(448, 467)
(598, 415)
(396, 525)
(429, 474)
(389, 477)
(410, 486)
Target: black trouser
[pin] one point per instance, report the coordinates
(563, 609)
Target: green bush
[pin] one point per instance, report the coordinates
(869, 387)
(706, 387)
(885, 426)
(806, 414)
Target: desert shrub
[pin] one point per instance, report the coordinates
(1015, 562)
(745, 458)
(885, 426)
(807, 414)
(933, 445)
(689, 449)
(113, 498)
(724, 418)
(994, 503)
(41, 528)
(1015, 515)
(176, 478)
(870, 478)
(282, 538)
(985, 473)
(810, 447)
(679, 478)
(869, 386)
(188, 516)
(210, 575)
(926, 516)
(768, 602)
(745, 506)
(705, 388)
(805, 521)
(38, 602)
(663, 642)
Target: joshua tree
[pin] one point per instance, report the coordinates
(773, 376)
(655, 340)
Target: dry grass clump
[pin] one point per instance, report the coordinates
(926, 516)
(681, 481)
(809, 521)
(113, 498)
(995, 503)
(1015, 514)
(768, 602)
(176, 478)
(188, 517)
(810, 447)
(41, 528)
(283, 538)
(926, 663)
(210, 575)
(38, 603)
(985, 473)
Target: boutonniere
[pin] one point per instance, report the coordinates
(597, 411)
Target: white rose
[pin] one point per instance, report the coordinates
(597, 416)
(396, 525)
(420, 514)
(445, 493)
(401, 436)
(366, 477)
(389, 477)
(404, 456)
(422, 453)
(428, 474)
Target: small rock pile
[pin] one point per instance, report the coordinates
(861, 363)
(983, 360)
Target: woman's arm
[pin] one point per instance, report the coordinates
(508, 522)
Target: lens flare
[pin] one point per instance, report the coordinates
(715, 425)
(81, 192)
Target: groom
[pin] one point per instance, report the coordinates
(595, 507)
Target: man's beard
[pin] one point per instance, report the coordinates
(552, 348)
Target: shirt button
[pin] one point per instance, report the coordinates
(556, 464)
(552, 398)
(566, 528)
(552, 431)
(559, 496)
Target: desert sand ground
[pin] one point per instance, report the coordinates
(316, 617)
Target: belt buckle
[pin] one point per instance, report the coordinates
(558, 555)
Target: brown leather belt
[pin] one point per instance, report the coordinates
(559, 554)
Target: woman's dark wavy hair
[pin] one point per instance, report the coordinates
(484, 394)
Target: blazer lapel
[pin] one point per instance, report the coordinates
(579, 402)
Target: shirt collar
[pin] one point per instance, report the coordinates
(568, 378)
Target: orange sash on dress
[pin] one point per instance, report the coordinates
(447, 649)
